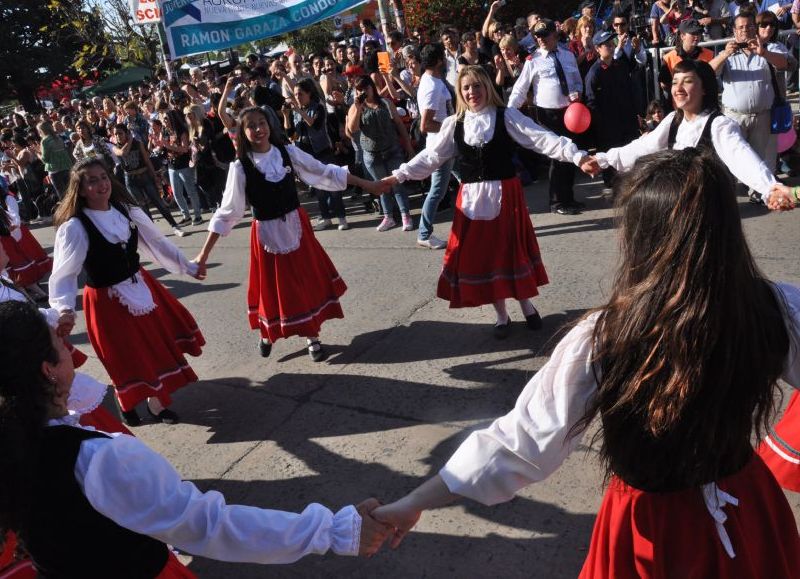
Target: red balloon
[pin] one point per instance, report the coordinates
(577, 118)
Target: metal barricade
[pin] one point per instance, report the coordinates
(656, 54)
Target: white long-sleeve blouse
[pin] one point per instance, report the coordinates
(13, 217)
(726, 136)
(276, 235)
(72, 245)
(139, 489)
(530, 442)
(481, 200)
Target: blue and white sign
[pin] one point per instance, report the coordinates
(197, 26)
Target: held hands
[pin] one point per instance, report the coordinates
(373, 532)
(66, 322)
(202, 271)
(401, 516)
(385, 185)
(781, 198)
(590, 166)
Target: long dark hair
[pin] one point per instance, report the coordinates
(242, 144)
(690, 345)
(707, 78)
(25, 396)
(73, 202)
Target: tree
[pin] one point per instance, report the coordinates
(107, 34)
(308, 40)
(31, 54)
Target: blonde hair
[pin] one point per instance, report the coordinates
(199, 114)
(479, 74)
(583, 21)
(73, 201)
(508, 41)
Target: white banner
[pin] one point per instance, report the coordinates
(145, 11)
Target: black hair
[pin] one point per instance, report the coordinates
(307, 86)
(431, 55)
(707, 77)
(25, 395)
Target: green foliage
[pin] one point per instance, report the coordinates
(311, 39)
(32, 52)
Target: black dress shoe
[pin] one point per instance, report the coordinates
(317, 352)
(166, 416)
(131, 417)
(534, 321)
(501, 331)
(264, 348)
(564, 210)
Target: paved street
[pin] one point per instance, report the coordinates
(406, 380)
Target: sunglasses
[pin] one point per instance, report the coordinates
(766, 24)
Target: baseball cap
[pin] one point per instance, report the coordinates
(603, 36)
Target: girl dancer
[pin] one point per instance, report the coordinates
(125, 501)
(681, 365)
(293, 285)
(492, 253)
(138, 329)
(698, 122)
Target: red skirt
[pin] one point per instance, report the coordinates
(27, 261)
(780, 450)
(143, 355)
(672, 535)
(292, 294)
(489, 261)
(78, 357)
(174, 569)
(10, 566)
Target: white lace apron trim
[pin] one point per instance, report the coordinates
(136, 297)
(281, 235)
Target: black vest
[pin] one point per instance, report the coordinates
(270, 200)
(109, 263)
(705, 136)
(490, 162)
(63, 522)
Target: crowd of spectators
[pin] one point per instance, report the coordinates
(371, 103)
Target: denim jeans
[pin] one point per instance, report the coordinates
(144, 191)
(380, 165)
(59, 181)
(184, 180)
(330, 202)
(439, 181)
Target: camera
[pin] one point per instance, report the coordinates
(741, 45)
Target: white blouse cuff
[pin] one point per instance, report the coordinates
(602, 160)
(346, 531)
(220, 226)
(576, 158)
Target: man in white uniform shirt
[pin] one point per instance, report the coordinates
(747, 91)
(451, 55)
(552, 72)
(435, 105)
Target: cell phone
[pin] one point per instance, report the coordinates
(383, 61)
(361, 98)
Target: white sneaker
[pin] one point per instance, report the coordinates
(343, 225)
(432, 242)
(178, 232)
(386, 224)
(322, 224)
(408, 223)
